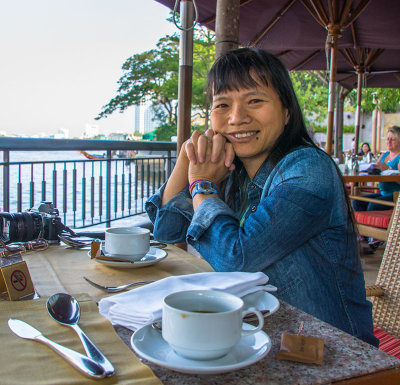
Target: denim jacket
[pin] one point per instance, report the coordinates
(296, 230)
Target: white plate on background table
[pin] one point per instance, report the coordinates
(149, 344)
(153, 256)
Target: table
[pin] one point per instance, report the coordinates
(347, 360)
(357, 178)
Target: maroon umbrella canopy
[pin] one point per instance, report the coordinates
(299, 33)
(375, 26)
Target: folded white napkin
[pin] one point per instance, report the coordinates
(390, 172)
(142, 306)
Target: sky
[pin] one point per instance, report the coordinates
(61, 60)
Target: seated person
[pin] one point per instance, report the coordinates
(389, 160)
(254, 193)
(365, 151)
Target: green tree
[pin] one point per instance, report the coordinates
(312, 94)
(154, 75)
(388, 99)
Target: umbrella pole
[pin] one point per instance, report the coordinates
(331, 97)
(226, 26)
(374, 121)
(358, 111)
(185, 73)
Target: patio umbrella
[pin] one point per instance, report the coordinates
(301, 32)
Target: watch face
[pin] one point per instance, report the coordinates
(205, 186)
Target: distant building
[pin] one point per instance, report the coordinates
(90, 131)
(144, 116)
(61, 133)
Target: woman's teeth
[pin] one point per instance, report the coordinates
(244, 134)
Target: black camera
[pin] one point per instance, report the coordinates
(41, 221)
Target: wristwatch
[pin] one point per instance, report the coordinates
(204, 187)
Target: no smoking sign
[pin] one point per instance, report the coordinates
(16, 280)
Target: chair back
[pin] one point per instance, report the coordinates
(386, 308)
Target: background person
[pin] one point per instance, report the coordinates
(256, 194)
(389, 160)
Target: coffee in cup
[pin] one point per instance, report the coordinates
(130, 243)
(205, 324)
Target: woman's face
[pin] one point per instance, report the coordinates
(365, 148)
(393, 142)
(251, 119)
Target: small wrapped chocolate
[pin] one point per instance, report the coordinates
(298, 348)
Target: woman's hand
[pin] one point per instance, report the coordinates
(381, 166)
(210, 156)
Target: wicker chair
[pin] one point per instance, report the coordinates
(386, 292)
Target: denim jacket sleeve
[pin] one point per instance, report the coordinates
(297, 206)
(171, 220)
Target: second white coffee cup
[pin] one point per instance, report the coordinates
(204, 324)
(130, 243)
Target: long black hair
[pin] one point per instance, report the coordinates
(245, 68)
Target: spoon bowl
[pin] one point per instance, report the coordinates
(65, 309)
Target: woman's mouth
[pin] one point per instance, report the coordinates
(242, 135)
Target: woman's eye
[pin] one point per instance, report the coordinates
(220, 105)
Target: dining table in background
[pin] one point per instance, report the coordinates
(347, 360)
(356, 179)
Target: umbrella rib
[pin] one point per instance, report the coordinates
(306, 60)
(319, 9)
(356, 12)
(313, 13)
(348, 56)
(345, 12)
(276, 18)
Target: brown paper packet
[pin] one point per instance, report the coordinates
(298, 348)
(95, 249)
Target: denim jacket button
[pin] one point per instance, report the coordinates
(253, 186)
(253, 208)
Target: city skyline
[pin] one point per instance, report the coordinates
(62, 60)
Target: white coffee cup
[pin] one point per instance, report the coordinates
(130, 243)
(204, 324)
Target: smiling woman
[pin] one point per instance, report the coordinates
(256, 194)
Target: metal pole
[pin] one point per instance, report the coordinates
(185, 73)
(226, 26)
(6, 181)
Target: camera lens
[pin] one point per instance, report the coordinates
(20, 227)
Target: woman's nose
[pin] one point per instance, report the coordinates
(238, 115)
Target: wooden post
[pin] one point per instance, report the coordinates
(331, 97)
(339, 124)
(185, 73)
(374, 121)
(226, 26)
(379, 130)
(358, 111)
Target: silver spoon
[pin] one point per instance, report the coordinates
(114, 289)
(65, 309)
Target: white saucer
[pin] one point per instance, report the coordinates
(148, 343)
(261, 300)
(153, 256)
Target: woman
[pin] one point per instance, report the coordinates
(264, 197)
(365, 149)
(389, 160)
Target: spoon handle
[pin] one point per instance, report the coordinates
(93, 352)
(79, 361)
